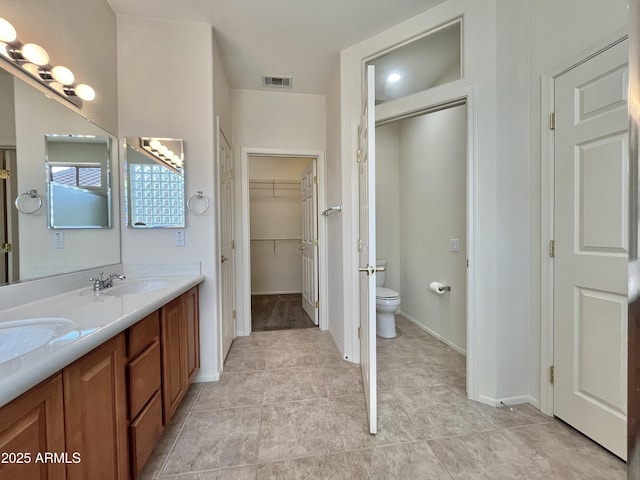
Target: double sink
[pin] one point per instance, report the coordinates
(19, 337)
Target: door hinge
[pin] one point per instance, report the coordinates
(359, 332)
(315, 179)
(317, 304)
(360, 245)
(4, 174)
(315, 242)
(552, 248)
(552, 121)
(233, 244)
(234, 314)
(551, 374)
(358, 155)
(6, 248)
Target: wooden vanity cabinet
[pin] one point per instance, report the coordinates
(179, 325)
(95, 405)
(144, 380)
(31, 424)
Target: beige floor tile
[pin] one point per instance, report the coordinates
(216, 439)
(286, 338)
(297, 429)
(299, 383)
(255, 340)
(242, 389)
(343, 379)
(414, 460)
(322, 467)
(245, 360)
(233, 473)
(394, 426)
(291, 356)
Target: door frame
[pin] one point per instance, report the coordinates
(243, 267)
(547, 233)
(424, 102)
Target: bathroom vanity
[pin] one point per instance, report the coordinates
(101, 414)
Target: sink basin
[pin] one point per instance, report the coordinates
(142, 285)
(23, 336)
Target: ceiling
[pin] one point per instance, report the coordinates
(299, 38)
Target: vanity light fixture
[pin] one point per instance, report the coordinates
(34, 60)
(162, 154)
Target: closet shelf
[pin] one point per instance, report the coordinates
(273, 181)
(275, 239)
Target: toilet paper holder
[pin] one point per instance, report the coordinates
(439, 288)
(447, 288)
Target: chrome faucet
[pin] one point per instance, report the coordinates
(102, 283)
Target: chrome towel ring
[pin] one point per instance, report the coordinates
(28, 194)
(198, 196)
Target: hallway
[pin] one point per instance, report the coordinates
(288, 407)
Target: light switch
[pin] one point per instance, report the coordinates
(58, 240)
(179, 238)
(454, 245)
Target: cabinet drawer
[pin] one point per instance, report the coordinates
(144, 433)
(143, 334)
(144, 378)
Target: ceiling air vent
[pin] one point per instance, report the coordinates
(276, 82)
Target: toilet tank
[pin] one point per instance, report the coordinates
(381, 276)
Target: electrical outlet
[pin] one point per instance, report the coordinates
(454, 245)
(58, 240)
(179, 238)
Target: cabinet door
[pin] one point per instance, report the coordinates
(96, 413)
(33, 424)
(173, 384)
(191, 332)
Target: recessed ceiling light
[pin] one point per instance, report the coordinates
(394, 77)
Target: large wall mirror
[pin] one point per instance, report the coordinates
(37, 135)
(154, 182)
(78, 173)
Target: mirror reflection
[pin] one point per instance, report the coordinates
(78, 181)
(154, 183)
(28, 247)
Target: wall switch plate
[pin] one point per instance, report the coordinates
(179, 238)
(454, 245)
(58, 240)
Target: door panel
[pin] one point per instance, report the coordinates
(308, 247)
(590, 265)
(367, 247)
(227, 244)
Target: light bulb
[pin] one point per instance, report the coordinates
(394, 77)
(154, 144)
(63, 75)
(163, 150)
(85, 92)
(32, 69)
(169, 154)
(35, 54)
(7, 32)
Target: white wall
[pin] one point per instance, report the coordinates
(276, 213)
(433, 210)
(270, 120)
(552, 47)
(80, 34)
(221, 91)
(388, 201)
(178, 103)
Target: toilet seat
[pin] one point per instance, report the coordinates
(383, 293)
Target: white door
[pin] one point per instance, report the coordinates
(367, 246)
(227, 244)
(590, 266)
(309, 247)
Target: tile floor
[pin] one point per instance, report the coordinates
(288, 407)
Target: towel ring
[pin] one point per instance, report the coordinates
(199, 196)
(31, 194)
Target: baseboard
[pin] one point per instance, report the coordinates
(206, 378)
(433, 333)
(509, 401)
(276, 293)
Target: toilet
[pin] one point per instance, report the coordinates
(387, 304)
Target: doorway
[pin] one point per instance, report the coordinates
(8, 217)
(421, 220)
(283, 222)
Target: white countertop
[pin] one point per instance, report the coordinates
(98, 317)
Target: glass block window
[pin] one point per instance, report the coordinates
(157, 196)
